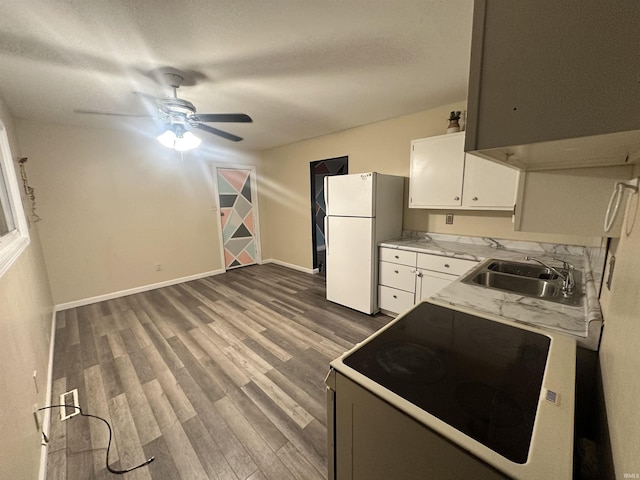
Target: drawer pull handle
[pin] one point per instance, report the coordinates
(446, 265)
(396, 256)
(396, 271)
(475, 199)
(395, 296)
(456, 198)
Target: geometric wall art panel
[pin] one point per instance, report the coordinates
(237, 217)
(233, 222)
(242, 206)
(319, 170)
(237, 245)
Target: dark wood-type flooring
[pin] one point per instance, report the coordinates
(218, 378)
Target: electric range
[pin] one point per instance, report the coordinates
(479, 381)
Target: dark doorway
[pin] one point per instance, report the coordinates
(319, 170)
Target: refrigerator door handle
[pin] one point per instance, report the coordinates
(326, 198)
(326, 235)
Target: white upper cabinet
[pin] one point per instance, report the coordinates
(555, 84)
(437, 166)
(488, 185)
(442, 176)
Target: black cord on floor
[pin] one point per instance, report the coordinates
(117, 472)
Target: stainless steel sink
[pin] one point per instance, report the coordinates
(522, 269)
(523, 279)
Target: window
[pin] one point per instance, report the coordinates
(14, 234)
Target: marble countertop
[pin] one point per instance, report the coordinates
(583, 322)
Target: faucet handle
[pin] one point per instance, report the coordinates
(566, 265)
(569, 283)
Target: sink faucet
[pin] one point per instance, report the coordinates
(568, 282)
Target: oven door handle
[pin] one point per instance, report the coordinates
(330, 382)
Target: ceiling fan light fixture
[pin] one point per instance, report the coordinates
(178, 139)
(167, 138)
(188, 141)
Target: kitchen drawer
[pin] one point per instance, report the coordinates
(438, 263)
(394, 300)
(394, 255)
(397, 276)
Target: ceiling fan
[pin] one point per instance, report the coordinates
(179, 116)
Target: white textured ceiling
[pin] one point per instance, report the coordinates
(299, 68)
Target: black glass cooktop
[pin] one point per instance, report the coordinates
(479, 376)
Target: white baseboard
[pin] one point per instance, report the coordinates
(290, 265)
(131, 291)
(46, 419)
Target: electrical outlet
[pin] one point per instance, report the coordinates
(70, 411)
(448, 219)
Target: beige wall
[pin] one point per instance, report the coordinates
(383, 147)
(116, 203)
(577, 198)
(619, 350)
(26, 310)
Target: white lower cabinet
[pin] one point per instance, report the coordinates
(406, 277)
(396, 279)
(394, 300)
(439, 263)
(397, 276)
(432, 282)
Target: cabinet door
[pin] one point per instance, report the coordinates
(488, 185)
(432, 282)
(569, 85)
(437, 165)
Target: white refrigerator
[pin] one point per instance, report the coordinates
(363, 209)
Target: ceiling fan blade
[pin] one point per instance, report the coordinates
(220, 133)
(224, 117)
(114, 114)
